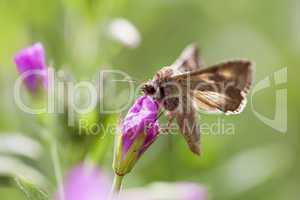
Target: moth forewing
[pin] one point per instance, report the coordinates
(222, 87)
(188, 60)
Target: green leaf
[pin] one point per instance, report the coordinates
(11, 167)
(10, 144)
(31, 191)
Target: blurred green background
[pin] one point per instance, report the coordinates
(256, 162)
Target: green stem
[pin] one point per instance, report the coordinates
(117, 185)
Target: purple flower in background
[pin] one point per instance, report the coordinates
(31, 64)
(85, 183)
(139, 130)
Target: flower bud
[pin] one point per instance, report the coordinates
(31, 65)
(139, 130)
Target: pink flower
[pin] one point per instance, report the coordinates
(85, 183)
(141, 118)
(31, 64)
(139, 130)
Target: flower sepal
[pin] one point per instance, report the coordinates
(123, 164)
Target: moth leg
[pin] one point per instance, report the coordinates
(171, 116)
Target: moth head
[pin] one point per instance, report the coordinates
(149, 88)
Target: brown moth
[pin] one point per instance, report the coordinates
(186, 85)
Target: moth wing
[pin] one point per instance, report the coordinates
(213, 102)
(220, 88)
(187, 121)
(188, 60)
